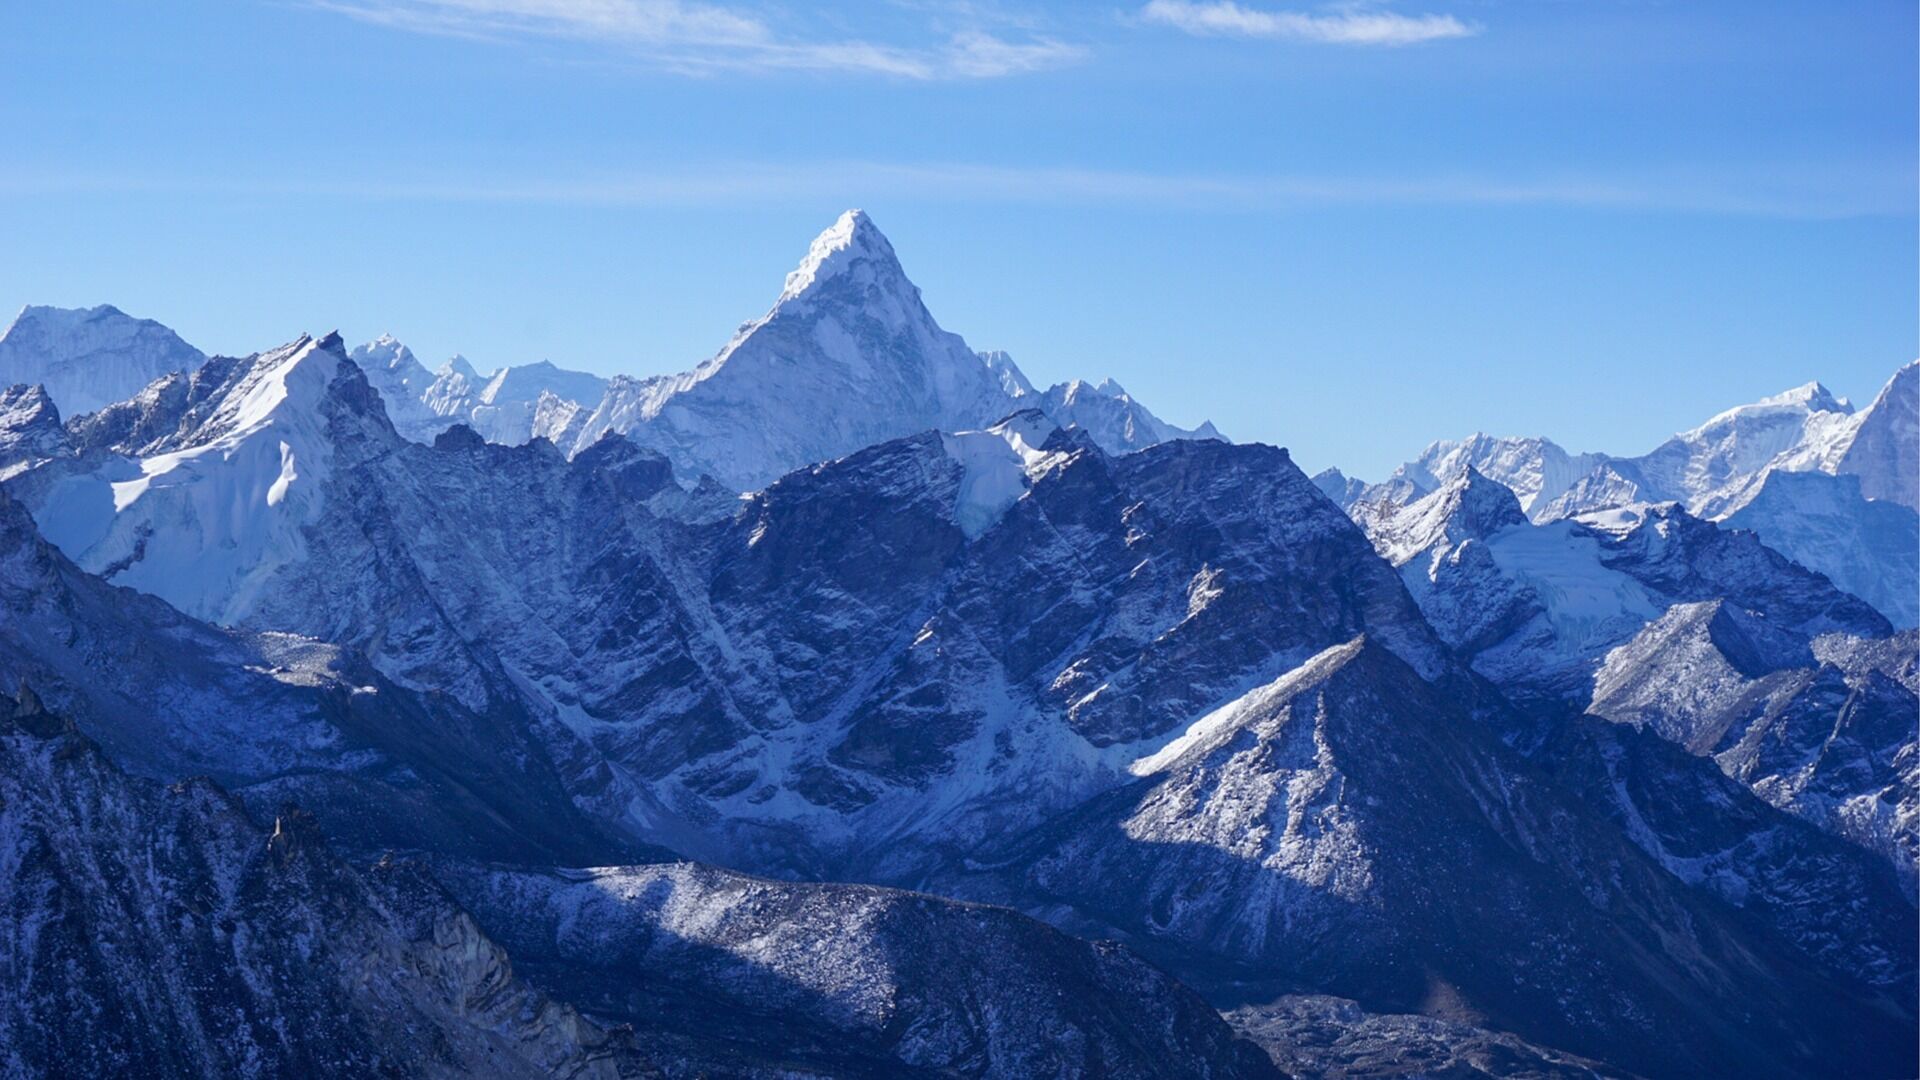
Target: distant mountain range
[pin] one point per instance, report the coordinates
(1833, 488)
(1517, 763)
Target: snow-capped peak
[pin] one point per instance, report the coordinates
(1117, 422)
(852, 239)
(386, 351)
(282, 389)
(89, 358)
(522, 385)
(1469, 506)
(1805, 400)
(1012, 379)
(1814, 395)
(205, 522)
(1073, 389)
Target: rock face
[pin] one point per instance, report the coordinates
(89, 358)
(1349, 829)
(30, 430)
(1822, 728)
(836, 675)
(774, 978)
(976, 661)
(689, 655)
(1317, 1035)
(392, 769)
(156, 931)
(275, 717)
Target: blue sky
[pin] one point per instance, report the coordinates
(1346, 228)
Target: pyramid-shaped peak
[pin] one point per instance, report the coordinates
(1813, 395)
(1482, 501)
(850, 241)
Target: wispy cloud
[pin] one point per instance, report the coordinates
(1846, 190)
(701, 38)
(1343, 25)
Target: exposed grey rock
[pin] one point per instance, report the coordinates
(30, 431)
(719, 971)
(1349, 830)
(1320, 1036)
(1829, 738)
(156, 931)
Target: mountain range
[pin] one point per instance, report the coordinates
(847, 706)
(1831, 487)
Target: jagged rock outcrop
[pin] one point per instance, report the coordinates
(1321, 1036)
(1822, 728)
(30, 430)
(156, 931)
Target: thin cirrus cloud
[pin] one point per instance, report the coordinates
(1346, 25)
(1769, 190)
(700, 38)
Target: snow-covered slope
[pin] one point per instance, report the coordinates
(847, 357)
(1869, 547)
(503, 410)
(1718, 466)
(1536, 606)
(862, 663)
(275, 717)
(1851, 531)
(505, 407)
(88, 358)
(206, 517)
(1348, 825)
(783, 979)
(1885, 450)
(1112, 417)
